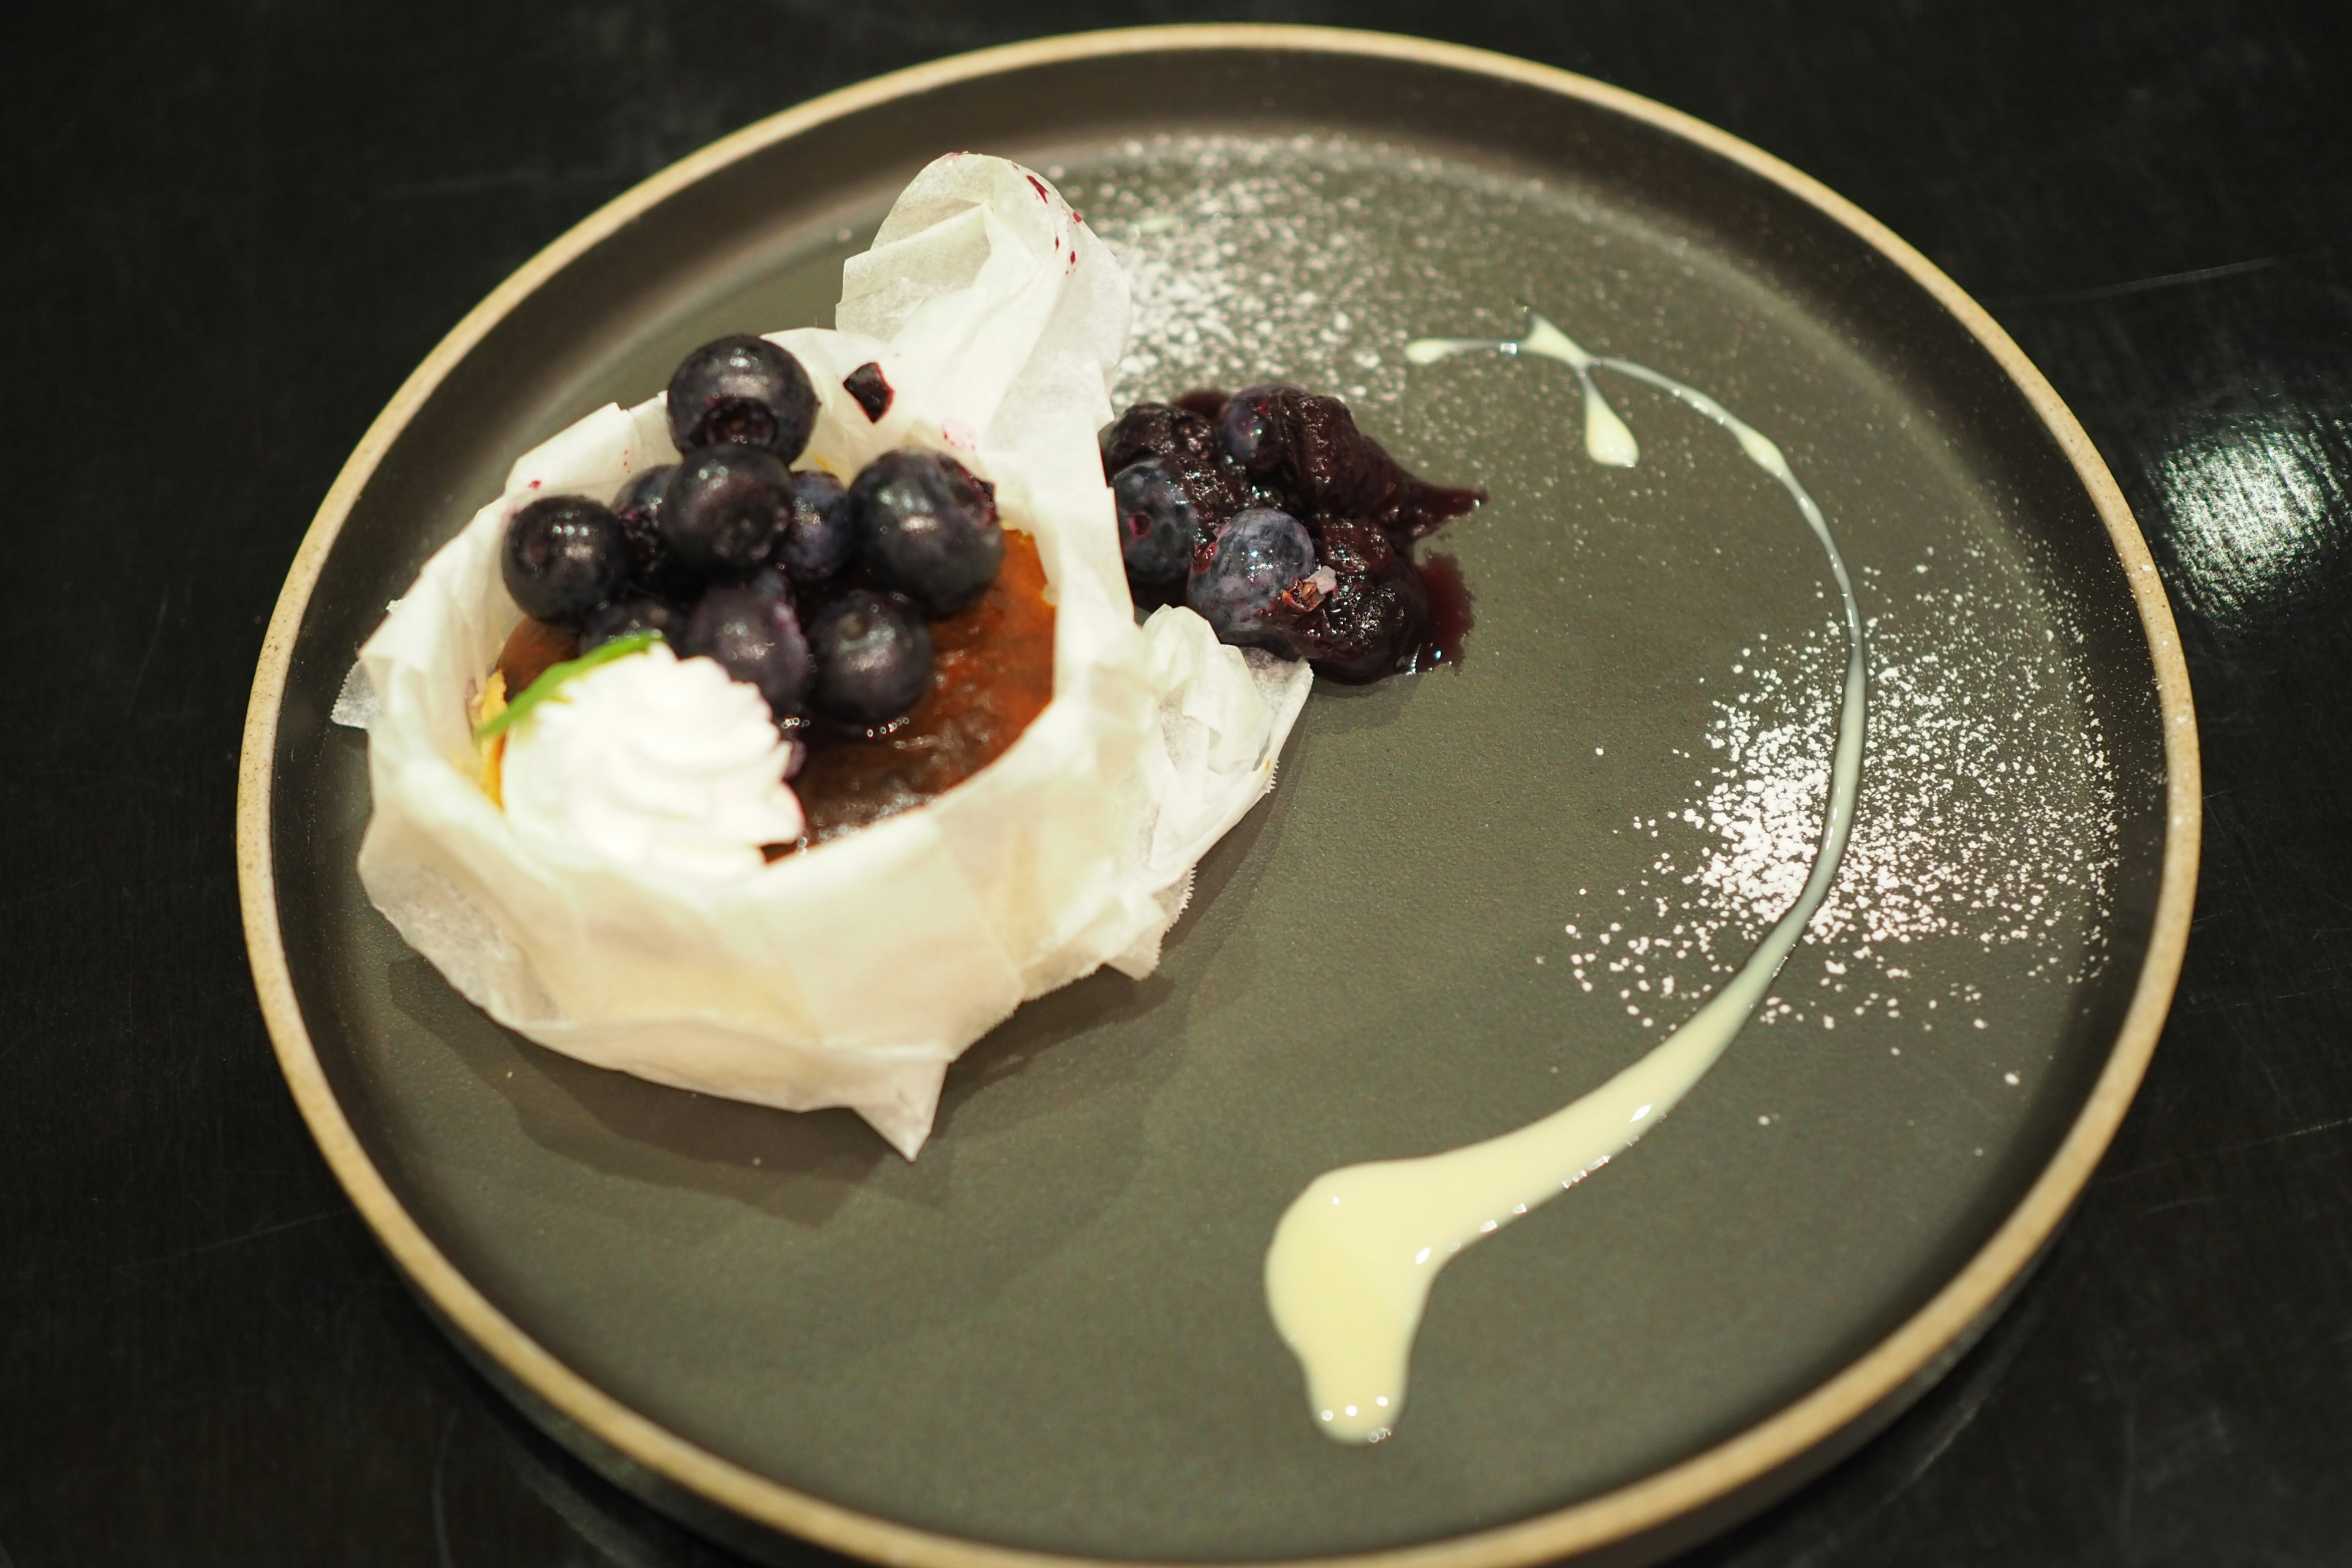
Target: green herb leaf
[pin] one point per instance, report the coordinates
(555, 675)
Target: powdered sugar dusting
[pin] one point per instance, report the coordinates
(1986, 815)
(1248, 256)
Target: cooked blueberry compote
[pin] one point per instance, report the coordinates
(1299, 529)
(1182, 443)
(899, 634)
(1246, 428)
(1306, 451)
(1373, 618)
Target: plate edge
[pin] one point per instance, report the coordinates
(1697, 1494)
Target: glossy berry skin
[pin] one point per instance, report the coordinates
(626, 616)
(1205, 401)
(1372, 624)
(1352, 548)
(927, 528)
(1377, 619)
(753, 634)
(564, 555)
(742, 391)
(1305, 451)
(873, 658)
(639, 502)
(1185, 442)
(817, 540)
(1237, 583)
(1158, 430)
(1156, 523)
(638, 505)
(1247, 429)
(722, 509)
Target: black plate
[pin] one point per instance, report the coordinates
(1048, 1333)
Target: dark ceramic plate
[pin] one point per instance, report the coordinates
(1477, 893)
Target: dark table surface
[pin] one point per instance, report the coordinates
(234, 226)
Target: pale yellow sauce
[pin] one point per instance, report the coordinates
(1352, 1261)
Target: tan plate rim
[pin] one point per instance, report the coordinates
(1740, 1468)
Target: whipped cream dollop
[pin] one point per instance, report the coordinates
(653, 761)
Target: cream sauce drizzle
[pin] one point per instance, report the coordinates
(1354, 1256)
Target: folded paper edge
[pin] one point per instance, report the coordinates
(1152, 900)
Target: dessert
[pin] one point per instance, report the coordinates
(778, 736)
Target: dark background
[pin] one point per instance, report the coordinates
(233, 226)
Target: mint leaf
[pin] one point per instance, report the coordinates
(555, 675)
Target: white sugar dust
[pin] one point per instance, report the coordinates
(1988, 816)
(1988, 813)
(1245, 253)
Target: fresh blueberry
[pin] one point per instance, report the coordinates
(1250, 430)
(817, 540)
(624, 617)
(927, 528)
(873, 658)
(1238, 582)
(1157, 521)
(753, 634)
(638, 507)
(564, 556)
(722, 507)
(639, 502)
(742, 391)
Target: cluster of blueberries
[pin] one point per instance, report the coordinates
(815, 594)
(1267, 512)
(1278, 520)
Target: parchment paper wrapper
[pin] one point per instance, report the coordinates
(853, 974)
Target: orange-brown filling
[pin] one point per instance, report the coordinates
(531, 649)
(992, 676)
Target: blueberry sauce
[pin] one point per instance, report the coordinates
(1450, 617)
(1356, 605)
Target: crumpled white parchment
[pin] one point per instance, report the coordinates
(853, 974)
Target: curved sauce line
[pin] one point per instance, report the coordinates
(1352, 1261)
